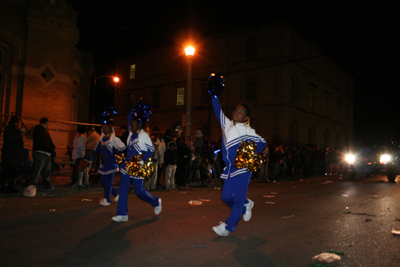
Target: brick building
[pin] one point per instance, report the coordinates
(297, 92)
(42, 73)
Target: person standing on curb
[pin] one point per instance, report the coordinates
(12, 154)
(92, 140)
(43, 147)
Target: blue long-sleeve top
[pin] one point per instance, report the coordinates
(232, 136)
(138, 143)
(108, 147)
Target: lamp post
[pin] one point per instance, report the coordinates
(189, 54)
(115, 80)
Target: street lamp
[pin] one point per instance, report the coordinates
(189, 53)
(115, 80)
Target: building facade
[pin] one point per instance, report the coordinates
(42, 73)
(297, 92)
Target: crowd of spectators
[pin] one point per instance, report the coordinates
(297, 162)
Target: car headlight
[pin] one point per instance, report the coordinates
(350, 159)
(384, 159)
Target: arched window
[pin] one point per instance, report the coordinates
(326, 138)
(251, 88)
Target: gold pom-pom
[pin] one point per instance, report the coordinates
(247, 157)
(135, 167)
(119, 158)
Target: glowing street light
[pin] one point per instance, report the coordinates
(189, 53)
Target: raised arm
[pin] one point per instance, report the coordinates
(222, 119)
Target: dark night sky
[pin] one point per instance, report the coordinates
(360, 36)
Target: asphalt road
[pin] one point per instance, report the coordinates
(301, 220)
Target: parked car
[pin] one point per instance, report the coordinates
(362, 162)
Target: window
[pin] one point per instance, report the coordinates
(251, 48)
(180, 95)
(132, 72)
(47, 75)
(251, 88)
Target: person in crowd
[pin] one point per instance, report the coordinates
(125, 133)
(342, 160)
(83, 169)
(190, 146)
(205, 174)
(276, 163)
(12, 154)
(198, 142)
(195, 167)
(331, 159)
(236, 181)
(108, 146)
(167, 137)
(306, 161)
(183, 163)
(43, 147)
(161, 150)
(170, 164)
(263, 174)
(151, 184)
(297, 163)
(92, 140)
(139, 143)
(78, 152)
(207, 151)
(189, 143)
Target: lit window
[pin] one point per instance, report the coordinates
(132, 71)
(180, 94)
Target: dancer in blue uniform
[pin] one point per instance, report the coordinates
(236, 180)
(138, 142)
(108, 146)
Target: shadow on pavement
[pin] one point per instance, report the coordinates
(96, 250)
(247, 253)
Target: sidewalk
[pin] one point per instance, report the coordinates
(62, 184)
